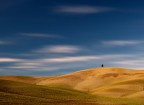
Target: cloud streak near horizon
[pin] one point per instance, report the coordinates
(64, 62)
(60, 62)
(122, 42)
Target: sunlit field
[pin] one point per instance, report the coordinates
(110, 93)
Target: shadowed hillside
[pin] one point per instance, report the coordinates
(25, 79)
(16, 93)
(115, 82)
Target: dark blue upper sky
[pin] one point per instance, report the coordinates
(50, 37)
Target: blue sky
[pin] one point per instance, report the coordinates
(52, 37)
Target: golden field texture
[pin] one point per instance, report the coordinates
(95, 86)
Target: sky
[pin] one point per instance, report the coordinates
(53, 37)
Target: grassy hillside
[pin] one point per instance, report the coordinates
(16, 93)
(122, 89)
(113, 82)
(12, 93)
(108, 86)
(92, 78)
(25, 79)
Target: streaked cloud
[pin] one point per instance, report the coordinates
(130, 62)
(41, 61)
(122, 42)
(26, 64)
(75, 62)
(40, 35)
(23, 67)
(2, 60)
(82, 58)
(4, 42)
(82, 9)
(59, 49)
(135, 63)
(64, 62)
(70, 59)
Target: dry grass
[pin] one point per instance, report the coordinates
(16, 93)
(111, 82)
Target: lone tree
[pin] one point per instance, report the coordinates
(102, 65)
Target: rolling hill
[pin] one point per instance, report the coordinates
(18, 93)
(98, 85)
(114, 82)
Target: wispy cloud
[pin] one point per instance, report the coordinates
(4, 42)
(130, 62)
(82, 9)
(26, 64)
(40, 35)
(59, 49)
(64, 62)
(135, 63)
(121, 42)
(70, 59)
(75, 62)
(23, 67)
(82, 58)
(2, 60)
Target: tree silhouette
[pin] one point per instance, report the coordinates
(102, 65)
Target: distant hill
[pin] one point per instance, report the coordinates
(111, 82)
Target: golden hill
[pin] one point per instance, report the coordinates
(114, 82)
